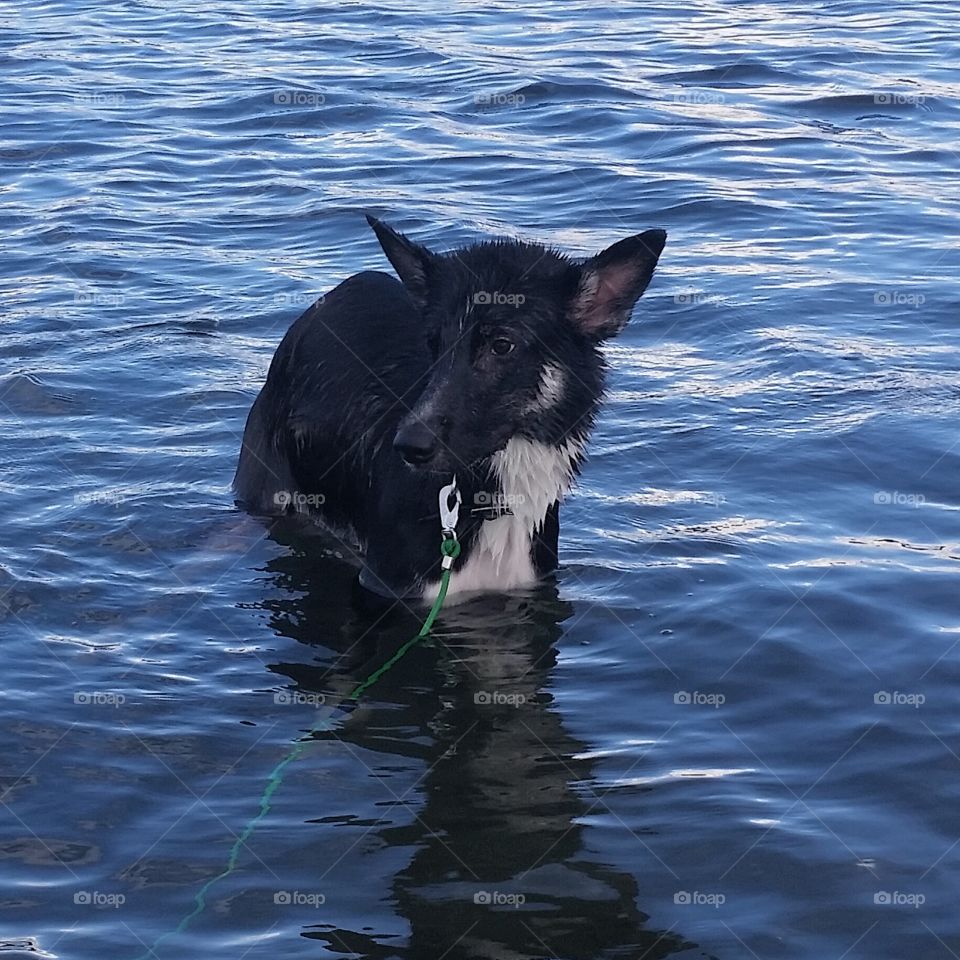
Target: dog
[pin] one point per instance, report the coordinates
(481, 365)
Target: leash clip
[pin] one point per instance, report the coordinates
(449, 515)
(450, 501)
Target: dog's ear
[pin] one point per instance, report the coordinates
(411, 260)
(611, 283)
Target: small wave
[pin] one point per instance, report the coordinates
(740, 74)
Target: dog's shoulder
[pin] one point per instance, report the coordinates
(371, 286)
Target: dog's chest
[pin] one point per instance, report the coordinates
(501, 559)
(531, 477)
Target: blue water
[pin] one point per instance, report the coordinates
(730, 731)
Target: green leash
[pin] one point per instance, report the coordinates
(449, 551)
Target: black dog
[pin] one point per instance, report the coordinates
(483, 365)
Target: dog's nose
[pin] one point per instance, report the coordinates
(416, 442)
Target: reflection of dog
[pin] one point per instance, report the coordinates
(483, 364)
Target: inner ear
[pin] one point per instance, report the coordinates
(612, 282)
(412, 261)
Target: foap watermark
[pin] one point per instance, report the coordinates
(898, 499)
(696, 898)
(499, 99)
(498, 298)
(100, 99)
(299, 98)
(494, 498)
(693, 496)
(295, 300)
(898, 298)
(897, 898)
(99, 299)
(297, 898)
(495, 698)
(99, 698)
(113, 496)
(696, 698)
(699, 96)
(95, 898)
(897, 698)
(297, 698)
(498, 898)
(694, 297)
(899, 99)
(298, 500)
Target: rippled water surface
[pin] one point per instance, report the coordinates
(729, 730)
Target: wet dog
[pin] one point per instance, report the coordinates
(483, 364)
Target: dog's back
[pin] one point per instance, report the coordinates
(342, 378)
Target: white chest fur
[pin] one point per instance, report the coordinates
(533, 476)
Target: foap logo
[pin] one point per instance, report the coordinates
(692, 496)
(693, 297)
(898, 298)
(497, 699)
(98, 698)
(113, 496)
(100, 99)
(297, 898)
(899, 99)
(899, 699)
(698, 699)
(298, 500)
(897, 898)
(499, 99)
(94, 898)
(299, 98)
(498, 298)
(99, 299)
(898, 499)
(699, 96)
(695, 898)
(497, 898)
(297, 698)
(301, 300)
(491, 498)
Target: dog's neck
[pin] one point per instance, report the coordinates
(535, 475)
(532, 476)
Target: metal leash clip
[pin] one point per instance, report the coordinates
(449, 515)
(449, 509)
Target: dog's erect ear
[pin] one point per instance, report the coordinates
(411, 260)
(612, 281)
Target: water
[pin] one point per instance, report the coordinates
(680, 749)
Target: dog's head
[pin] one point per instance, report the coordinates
(513, 329)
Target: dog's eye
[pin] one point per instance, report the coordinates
(502, 346)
